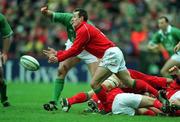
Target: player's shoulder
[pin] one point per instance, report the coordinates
(174, 29)
(158, 33)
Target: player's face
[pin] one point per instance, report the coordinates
(162, 24)
(76, 20)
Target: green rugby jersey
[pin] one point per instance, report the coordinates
(169, 39)
(5, 29)
(65, 19)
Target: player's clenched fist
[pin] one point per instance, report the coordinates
(46, 11)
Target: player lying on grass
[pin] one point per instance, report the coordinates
(66, 65)
(128, 103)
(95, 106)
(113, 81)
(171, 96)
(91, 39)
(157, 82)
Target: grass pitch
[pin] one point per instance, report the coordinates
(27, 100)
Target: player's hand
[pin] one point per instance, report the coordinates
(177, 48)
(53, 51)
(44, 10)
(53, 59)
(174, 70)
(3, 56)
(50, 52)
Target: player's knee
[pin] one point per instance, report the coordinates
(62, 70)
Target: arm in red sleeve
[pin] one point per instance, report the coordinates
(78, 46)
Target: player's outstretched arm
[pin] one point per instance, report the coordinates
(45, 11)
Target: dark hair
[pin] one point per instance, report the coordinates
(82, 13)
(164, 17)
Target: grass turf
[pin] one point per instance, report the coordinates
(27, 100)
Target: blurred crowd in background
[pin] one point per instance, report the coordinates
(129, 23)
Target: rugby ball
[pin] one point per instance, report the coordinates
(29, 63)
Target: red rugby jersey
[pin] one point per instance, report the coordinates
(88, 38)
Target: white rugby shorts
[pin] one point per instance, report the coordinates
(175, 96)
(84, 55)
(113, 59)
(126, 103)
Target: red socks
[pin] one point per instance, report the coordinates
(157, 104)
(98, 102)
(149, 113)
(78, 98)
(143, 86)
(101, 94)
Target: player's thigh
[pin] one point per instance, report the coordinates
(100, 75)
(146, 102)
(170, 63)
(125, 77)
(141, 111)
(68, 63)
(92, 67)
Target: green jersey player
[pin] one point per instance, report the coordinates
(168, 36)
(5, 34)
(65, 66)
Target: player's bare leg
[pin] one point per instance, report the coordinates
(92, 67)
(101, 75)
(145, 111)
(82, 96)
(63, 68)
(125, 77)
(152, 102)
(170, 63)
